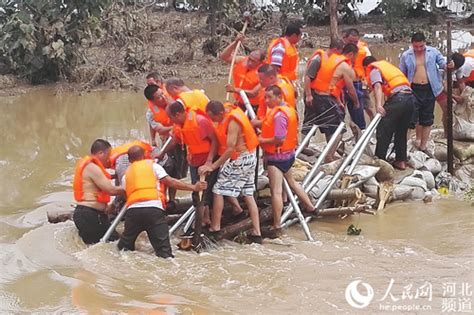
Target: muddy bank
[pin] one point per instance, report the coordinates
(176, 44)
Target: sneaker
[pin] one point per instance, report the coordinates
(254, 239)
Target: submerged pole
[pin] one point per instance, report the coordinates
(450, 106)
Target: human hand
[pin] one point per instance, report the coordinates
(239, 37)
(229, 88)
(200, 186)
(309, 99)
(204, 169)
(380, 110)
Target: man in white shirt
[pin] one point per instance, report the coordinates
(144, 202)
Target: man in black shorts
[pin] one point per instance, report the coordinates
(326, 75)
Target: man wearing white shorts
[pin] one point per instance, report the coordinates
(237, 143)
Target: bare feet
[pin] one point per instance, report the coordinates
(401, 165)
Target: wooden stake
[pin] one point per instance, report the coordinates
(450, 107)
(236, 51)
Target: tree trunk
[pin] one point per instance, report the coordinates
(231, 231)
(333, 19)
(212, 17)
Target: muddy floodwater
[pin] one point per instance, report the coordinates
(413, 257)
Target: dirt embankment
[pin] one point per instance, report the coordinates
(173, 43)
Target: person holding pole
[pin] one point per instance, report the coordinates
(237, 144)
(145, 212)
(278, 139)
(244, 73)
(92, 191)
(394, 100)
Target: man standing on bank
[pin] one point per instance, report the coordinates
(421, 64)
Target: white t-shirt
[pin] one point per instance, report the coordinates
(160, 173)
(466, 69)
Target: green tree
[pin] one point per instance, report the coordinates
(41, 39)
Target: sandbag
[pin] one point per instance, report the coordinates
(462, 129)
(433, 165)
(418, 193)
(465, 174)
(429, 179)
(414, 181)
(331, 168)
(417, 159)
(320, 186)
(370, 190)
(402, 192)
(363, 173)
(463, 120)
(463, 150)
(386, 172)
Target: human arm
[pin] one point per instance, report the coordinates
(379, 98)
(250, 93)
(233, 131)
(174, 142)
(403, 65)
(349, 77)
(227, 53)
(307, 91)
(180, 185)
(311, 72)
(102, 182)
(256, 123)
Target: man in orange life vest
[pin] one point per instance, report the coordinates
(237, 144)
(282, 52)
(191, 99)
(159, 122)
(145, 212)
(154, 78)
(119, 160)
(278, 139)
(269, 76)
(326, 109)
(156, 116)
(352, 36)
(196, 131)
(92, 191)
(244, 74)
(387, 80)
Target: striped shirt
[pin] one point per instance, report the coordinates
(277, 54)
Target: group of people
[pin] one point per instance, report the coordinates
(219, 143)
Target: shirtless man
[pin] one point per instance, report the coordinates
(421, 65)
(237, 144)
(333, 74)
(92, 191)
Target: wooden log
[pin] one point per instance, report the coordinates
(63, 216)
(345, 194)
(231, 231)
(344, 211)
(384, 194)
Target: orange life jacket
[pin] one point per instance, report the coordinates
(322, 82)
(470, 54)
(159, 115)
(101, 196)
(288, 96)
(250, 137)
(391, 75)
(141, 183)
(361, 54)
(194, 100)
(190, 135)
(246, 79)
(117, 152)
(290, 59)
(268, 130)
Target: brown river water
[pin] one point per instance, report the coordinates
(412, 258)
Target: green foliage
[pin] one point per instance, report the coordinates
(41, 39)
(314, 12)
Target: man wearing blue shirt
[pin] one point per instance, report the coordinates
(422, 64)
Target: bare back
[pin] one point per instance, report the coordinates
(235, 130)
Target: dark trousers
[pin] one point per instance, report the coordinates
(211, 179)
(92, 224)
(399, 111)
(149, 219)
(424, 105)
(357, 114)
